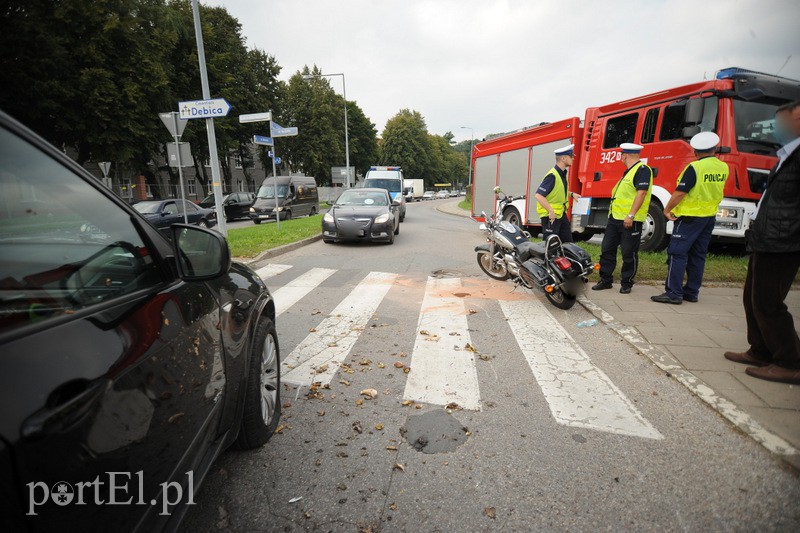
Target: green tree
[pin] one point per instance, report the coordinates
(406, 143)
(363, 139)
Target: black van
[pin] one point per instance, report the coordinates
(297, 196)
(235, 204)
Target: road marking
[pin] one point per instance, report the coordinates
(318, 357)
(440, 374)
(272, 270)
(578, 393)
(292, 292)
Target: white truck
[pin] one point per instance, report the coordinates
(413, 189)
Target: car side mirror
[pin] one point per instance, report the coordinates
(200, 254)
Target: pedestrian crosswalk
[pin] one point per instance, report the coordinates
(578, 393)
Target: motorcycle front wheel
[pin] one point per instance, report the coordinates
(494, 271)
(560, 299)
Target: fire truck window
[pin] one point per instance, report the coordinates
(649, 129)
(710, 106)
(672, 125)
(620, 130)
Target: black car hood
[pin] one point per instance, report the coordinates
(360, 211)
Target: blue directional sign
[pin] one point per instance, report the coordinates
(277, 160)
(218, 107)
(279, 131)
(263, 140)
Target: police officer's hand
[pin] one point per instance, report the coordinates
(552, 216)
(627, 223)
(576, 196)
(670, 215)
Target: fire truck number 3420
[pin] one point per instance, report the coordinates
(610, 157)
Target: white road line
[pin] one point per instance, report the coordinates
(272, 270)
(440, 373)
(318, 357)
(578, 393)
(292, 292)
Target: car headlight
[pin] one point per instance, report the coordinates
(252, 210)
(382, 218)
(278, 209)
(328, 218)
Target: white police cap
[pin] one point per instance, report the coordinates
(564, 150)
(631, 148)
(705, 141)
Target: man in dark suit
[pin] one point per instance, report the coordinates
(774, 240)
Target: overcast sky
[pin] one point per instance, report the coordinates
(497, 65)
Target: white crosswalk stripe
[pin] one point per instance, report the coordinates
(578, 393)
(318, 356)
(292, 292)
(440, 374)
(272, 270)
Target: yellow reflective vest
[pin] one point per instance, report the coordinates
(625, 193)
(557, 197)
(703, 199)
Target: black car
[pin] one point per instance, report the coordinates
(236, 204)
(128, 363)
(362, 215)
(164, 213)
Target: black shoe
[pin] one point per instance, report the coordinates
(666, 299)
(692, 299)
(602, 285)
(625, 290)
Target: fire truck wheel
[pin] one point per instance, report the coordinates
(654, 229)
(511, 215)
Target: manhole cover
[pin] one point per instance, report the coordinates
(434, 432)
(444, 273)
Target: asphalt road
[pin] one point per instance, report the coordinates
(556, 427)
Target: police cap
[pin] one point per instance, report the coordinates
(705, 141)
(631, 148)
(564, 150)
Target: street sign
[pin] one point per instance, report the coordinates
(256, 117)
(277, 160)
(269, 153)
(105, 166)
(172, 123)
(172, 155)
(218, 107)
(279, 131)
(263, 140)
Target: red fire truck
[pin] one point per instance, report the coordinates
(739, 105)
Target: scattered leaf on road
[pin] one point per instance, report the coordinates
(400, 467)
(312, 330)
(453, 406)
(360, 402)
(357, 427)
(407, 402)
(296, 499)
(344, 382)
(392, 448)
(398, 364)
(424, 332)
(406, 370)
(472, 311)
(379, 427)
(490, 512)
(484, 357)
(393, 506)
(320, 413)
(369, 393)
(470, 348)
(381, 365)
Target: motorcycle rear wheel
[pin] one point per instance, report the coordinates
(560, 299)
(493, 271)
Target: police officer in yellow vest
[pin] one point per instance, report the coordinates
(553, 194)
(693, 209)
(630, 201)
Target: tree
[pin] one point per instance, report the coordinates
(363, 139)
(405, 143)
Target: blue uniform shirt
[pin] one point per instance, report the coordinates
(549, 182)
(641, 180)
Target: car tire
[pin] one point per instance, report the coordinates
(327, 241)
(391, 239)
(262, 395)
(511, 215)
(287, 216)
(256, 221)
(654, 229)
(313, 211)
(397, 230)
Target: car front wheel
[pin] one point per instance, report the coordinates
(262, 401)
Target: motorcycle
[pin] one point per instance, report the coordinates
(559, 269)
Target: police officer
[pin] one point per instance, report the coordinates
(693, 209)
(630, 201)
(553, 194)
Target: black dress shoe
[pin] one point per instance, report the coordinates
(603, 285)
(625, 290)
(666, 299)
(692, 299)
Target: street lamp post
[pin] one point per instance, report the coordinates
(471, 141)
(346, 134)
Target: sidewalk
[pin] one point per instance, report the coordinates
(687, 342)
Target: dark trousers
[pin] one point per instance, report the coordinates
(559, 226)
(770, 327)
(618, 236)
(687, 255)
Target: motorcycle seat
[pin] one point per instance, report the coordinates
(529, 249)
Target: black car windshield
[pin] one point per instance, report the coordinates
(362, 198)
(268, 191)
(391, 185)
(148, 207)
(755, 127)
(209, 201)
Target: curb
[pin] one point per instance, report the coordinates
(673, 369)
(272, 252)
(441, 209)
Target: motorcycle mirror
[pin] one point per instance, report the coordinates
(497, 189)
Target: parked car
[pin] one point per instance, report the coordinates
(164, 213)
(362, 215)
(129, 362)
(296, 196)
(441, 194)
(462, 193)
(236, 204)
(429, 195)
(453, 194)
